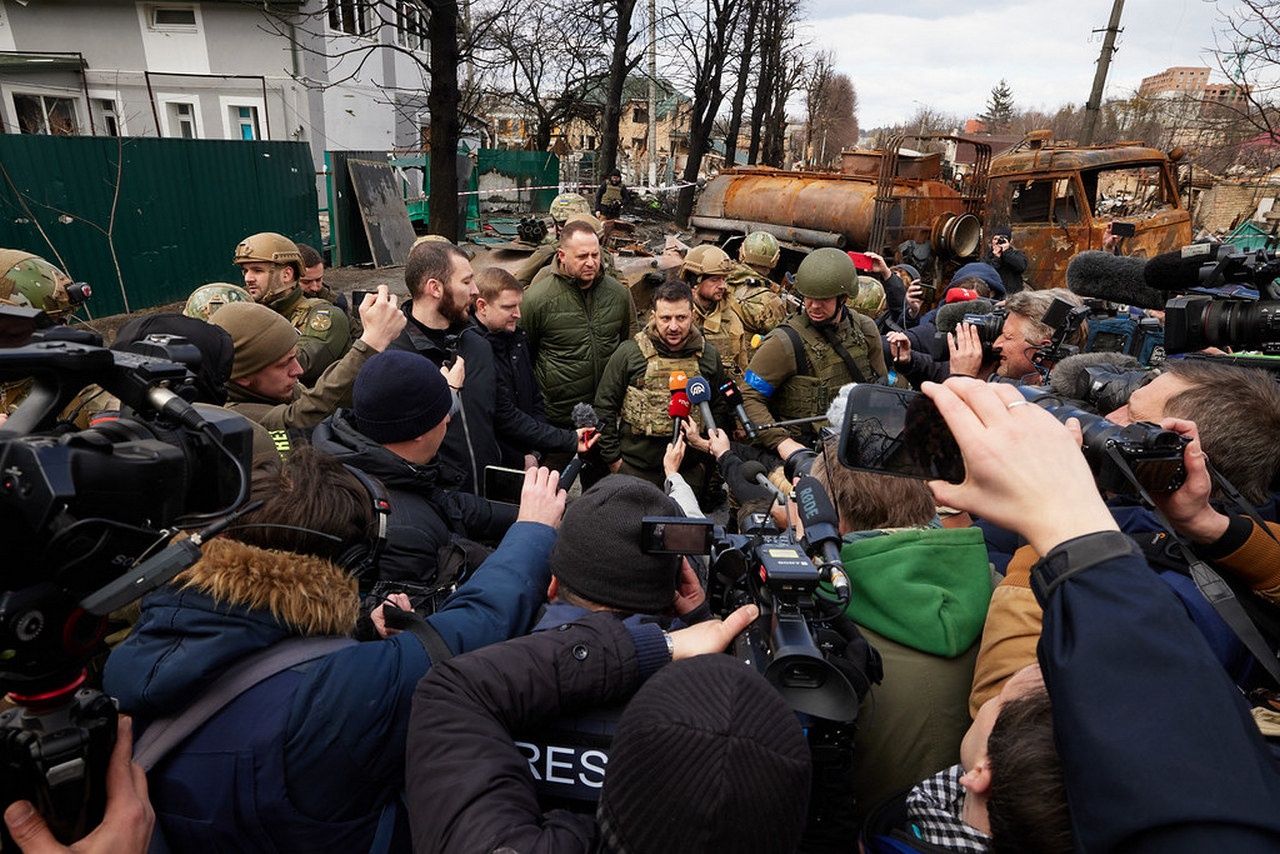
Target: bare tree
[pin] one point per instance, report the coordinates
(621, 64)
(1247, 51)
(831, 122)
(747, 42)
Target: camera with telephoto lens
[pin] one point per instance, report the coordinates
(88, 516)
(1222, 313)
(989, 327)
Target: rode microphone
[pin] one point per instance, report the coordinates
(678, 409)
(754, 470)
(1115, 278)
(729, 391)
(699, 391)
(822, 531)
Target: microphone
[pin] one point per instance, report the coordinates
(1071, 378)
(729, 391)
(583, 415)
(1179, 271)
(699, 391)
(678, 409)
(951, 316)
(677, 381)
(754, 470)
(819, 518)
(1115, 278)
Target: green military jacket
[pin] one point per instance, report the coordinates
(311, 405)
(755, 298)
(324, 332)
(774, 390)
(571, 333)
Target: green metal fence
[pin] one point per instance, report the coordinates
(145, 221)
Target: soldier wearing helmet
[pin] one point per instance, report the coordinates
(705, 270)
(29, 281)
(272, 267)
(802, 364)
(207, 299)
(755, 296)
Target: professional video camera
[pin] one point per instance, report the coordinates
(86, 517)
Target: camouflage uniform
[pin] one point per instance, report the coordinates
(755, 299)
(324, 333)
(723, 327)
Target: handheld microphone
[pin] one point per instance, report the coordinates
(678, 409)
(583, 415)
(699, 391)
(729, 391)
(754, 470)
(677, 381)
(819, 518)
(1115, 278)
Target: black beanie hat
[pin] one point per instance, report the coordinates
(398, 396)
(597, 551)
(707, 757)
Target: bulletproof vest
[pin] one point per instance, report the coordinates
(821, 373)
(644, 407)
(723, 328)
(612, 195)
(759, 307)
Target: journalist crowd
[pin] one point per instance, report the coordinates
(526, 566)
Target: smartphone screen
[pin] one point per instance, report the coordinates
(898, 432)
(676, 535)
(503, 485)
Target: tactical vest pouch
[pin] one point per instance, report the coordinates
(803, 394)
(645, 411)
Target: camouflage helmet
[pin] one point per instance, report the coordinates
(707, 259)
(568, 203)
(272, 248)
(589, 219)
(826, 273)
(207, 299)
(759, 249)
(29, 281)
(870, 299)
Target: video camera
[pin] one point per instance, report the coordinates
(86, 517)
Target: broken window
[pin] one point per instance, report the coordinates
(640, 115)
(46, 115)
(1127, 191)
(1046, 200)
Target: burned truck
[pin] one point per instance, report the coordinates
(896, 202)
(1057, 198)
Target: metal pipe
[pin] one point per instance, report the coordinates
(806, 236)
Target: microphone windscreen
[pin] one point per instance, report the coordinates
(1115, 278)
(677, 381)
(584, 415)
(699, 390)
(1070, 378)
(752, 469)
(949, 316)
(679, 406)
(814, 504)
(1170, 271)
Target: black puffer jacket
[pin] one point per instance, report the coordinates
(422, 514)
(471, 442)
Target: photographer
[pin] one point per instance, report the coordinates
(1115, 645)
(309, 758)
(1010, 263)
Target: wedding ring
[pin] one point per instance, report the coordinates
(1017, 403)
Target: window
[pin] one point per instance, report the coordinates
(173, 19)
(245, 119)
(110, 118)
(46, 115)
(411, 31)
(182, 120)
(352, 17)
(640, 115)
(1047, 200)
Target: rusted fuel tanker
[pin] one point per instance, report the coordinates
(893, 202)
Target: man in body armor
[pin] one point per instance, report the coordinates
(634, 394)
(704, 270)
(612, 196)
(29, 281)
(755, 296)
(802, 364)
(272, 267)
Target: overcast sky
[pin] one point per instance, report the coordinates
(949, 55)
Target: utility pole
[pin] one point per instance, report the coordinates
(1094, 105)
(652, 147)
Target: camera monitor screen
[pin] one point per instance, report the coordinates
(898, 432)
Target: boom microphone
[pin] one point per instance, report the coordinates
(1178, 271)
(1115, 278)
(1070, 377)
(822, 532)
(699, 391)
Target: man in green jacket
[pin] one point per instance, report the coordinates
(575, 315)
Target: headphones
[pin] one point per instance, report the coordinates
(361, 559)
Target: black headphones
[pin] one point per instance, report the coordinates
(361, 559)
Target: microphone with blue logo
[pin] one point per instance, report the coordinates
(699, 392)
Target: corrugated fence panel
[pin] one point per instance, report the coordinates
(180, 207)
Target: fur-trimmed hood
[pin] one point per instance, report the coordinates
(235, 601)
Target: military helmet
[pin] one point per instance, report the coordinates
(707, 259)
(826, 273)
(870, 299)
(272, 248)
(596, 225)
(568, 203)
(207, 299)
(29, 281)
(760, 249)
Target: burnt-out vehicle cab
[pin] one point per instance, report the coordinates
(1058, 200)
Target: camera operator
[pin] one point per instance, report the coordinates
(1024, 333)
(264, 377)
(1115, 645)
(310, 758)
(1010, 263)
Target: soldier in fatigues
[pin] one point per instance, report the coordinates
(633, 394)
(272, 268)
(803, 363)
(704, 270)
(29, 281)
(755, 296)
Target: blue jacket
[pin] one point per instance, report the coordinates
(306, 760)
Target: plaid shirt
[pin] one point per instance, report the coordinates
(933, 813)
